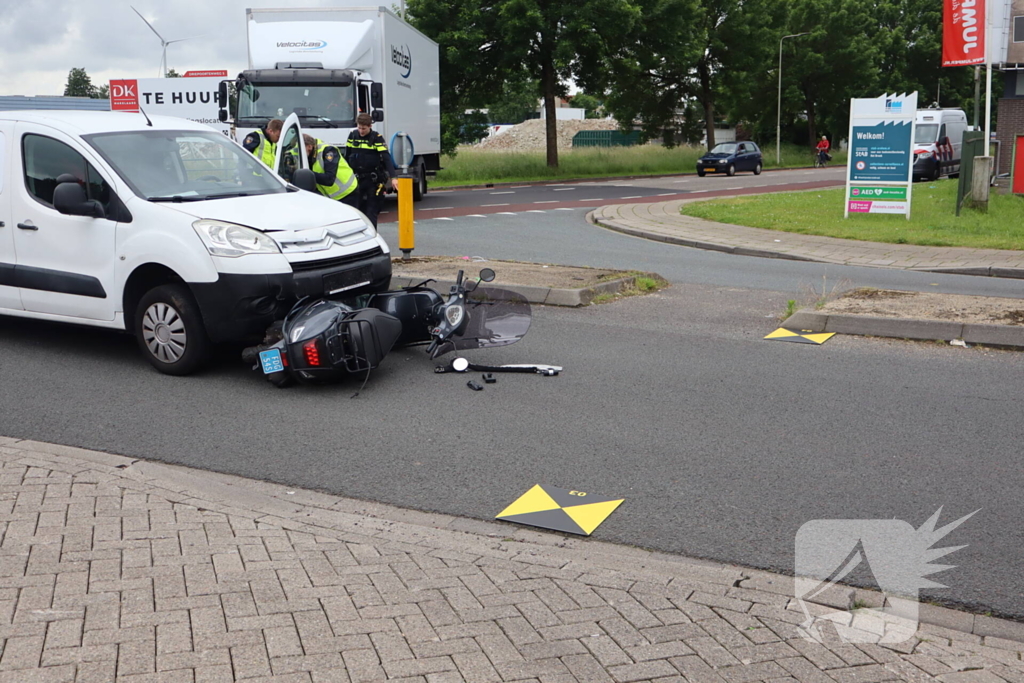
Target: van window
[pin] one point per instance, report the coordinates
(942, 131)
(47, 159)
(925, 133)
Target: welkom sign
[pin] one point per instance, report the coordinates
(880, 168)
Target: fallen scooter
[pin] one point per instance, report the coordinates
(325, 341)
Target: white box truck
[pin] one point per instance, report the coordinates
(328, 64)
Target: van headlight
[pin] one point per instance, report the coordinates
(228, 239)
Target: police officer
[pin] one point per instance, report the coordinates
(263, 143)
(369, 158)
(334, 177)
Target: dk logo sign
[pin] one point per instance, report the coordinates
(124, 95)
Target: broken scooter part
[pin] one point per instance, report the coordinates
(463, 365)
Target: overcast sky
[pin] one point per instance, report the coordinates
(41, 40)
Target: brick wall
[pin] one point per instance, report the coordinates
(1011, 124)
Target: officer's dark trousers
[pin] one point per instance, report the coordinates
(369, 200)
(351, 199)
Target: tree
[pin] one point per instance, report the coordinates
(593, 106)
(171, 73)
(557, 42)
(79, 84)
(474, 127)
(518, 100)
(102, 93)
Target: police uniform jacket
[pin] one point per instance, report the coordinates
(368, 154)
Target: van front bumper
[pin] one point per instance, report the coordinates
(241, 307)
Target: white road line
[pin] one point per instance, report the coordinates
(564, 208)
(635, 196)
(437, 208)
(699, 191)
(505, 213)
(667, 194)
(535, 211)
(565, 189)
(548, 201)
(476, 215)
(507, 192)
(485, 205)
(599, 199)
(519, 187)
(444, 218)
(684, 180)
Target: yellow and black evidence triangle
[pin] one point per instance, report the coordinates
(801, 337)
(571, 512)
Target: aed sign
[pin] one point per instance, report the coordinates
(194, 99)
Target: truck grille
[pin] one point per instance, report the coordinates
(304, 266)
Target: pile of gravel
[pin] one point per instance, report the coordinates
(531, 136)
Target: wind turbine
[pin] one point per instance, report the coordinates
(163, 43)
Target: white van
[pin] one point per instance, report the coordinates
(938, 139)
(166, 229)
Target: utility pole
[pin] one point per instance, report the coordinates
(778, 120)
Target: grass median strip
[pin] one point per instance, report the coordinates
(933, 220)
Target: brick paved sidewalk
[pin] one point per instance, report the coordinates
(118, 569)
(662, 221)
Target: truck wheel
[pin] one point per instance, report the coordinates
(419, 186)
(170, 330)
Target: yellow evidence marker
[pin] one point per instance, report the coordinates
(571, 512)
(801, 337)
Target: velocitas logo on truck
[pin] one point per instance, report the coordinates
(302, 45)
(402, 56)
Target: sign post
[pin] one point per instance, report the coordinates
(880, 167)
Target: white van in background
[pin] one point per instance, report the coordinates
(938, 138)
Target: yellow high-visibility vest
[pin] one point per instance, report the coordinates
(344, 182)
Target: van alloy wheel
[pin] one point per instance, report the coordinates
(164, 332)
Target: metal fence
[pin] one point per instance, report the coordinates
(605, 138)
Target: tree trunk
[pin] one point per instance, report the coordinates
(707, 99)
(551, 123)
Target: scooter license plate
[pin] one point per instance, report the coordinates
(271, 361)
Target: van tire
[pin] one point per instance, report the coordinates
(170, 330)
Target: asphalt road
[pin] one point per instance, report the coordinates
(722, 444)
(592, 193)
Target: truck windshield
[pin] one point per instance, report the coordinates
(184, 165)
(319, 106)
(925, 133)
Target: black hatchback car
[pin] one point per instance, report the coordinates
(730, 157)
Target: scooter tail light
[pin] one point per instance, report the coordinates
(312, 353)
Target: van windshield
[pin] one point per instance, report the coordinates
(185, 165)
(926, 133)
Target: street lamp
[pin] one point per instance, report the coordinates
(778, 121)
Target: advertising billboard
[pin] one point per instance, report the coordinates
(194, 99)
(880, 167)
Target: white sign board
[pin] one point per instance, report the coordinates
(880, 168)
(194, 99)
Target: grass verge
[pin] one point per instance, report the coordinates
(479, 167)
(643, 283)
(933, 220)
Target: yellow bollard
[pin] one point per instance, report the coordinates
(406, 231)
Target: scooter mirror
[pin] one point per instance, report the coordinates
(487, 275)
(460, 364)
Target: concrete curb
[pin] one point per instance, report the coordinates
(905, 328)
(547, 296)
(982, 271)
(314, 512)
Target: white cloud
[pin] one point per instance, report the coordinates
(42, 40)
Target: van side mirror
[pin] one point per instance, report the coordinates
(304, 179)
(222, 94)
(377, 95)
(377, 116)
(69, 198)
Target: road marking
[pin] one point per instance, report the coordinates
(535, 211)
(437, 208)
(548, 201)
(519, 187)
(698, 191)
(599, 199)
(635, 196)
(486, 205)
(508, 192)
(444, 218)
(505, 213)
(476, 215)
(684, 180)
(565, 189)
(564, 208)
(667, 194)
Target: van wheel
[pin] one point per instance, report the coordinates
(170, 331)
(419, 185)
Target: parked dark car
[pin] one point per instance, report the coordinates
(730, 157)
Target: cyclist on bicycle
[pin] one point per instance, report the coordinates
(823, 148)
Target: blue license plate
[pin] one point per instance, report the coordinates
(271, 361)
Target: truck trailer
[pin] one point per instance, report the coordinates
(326, 65)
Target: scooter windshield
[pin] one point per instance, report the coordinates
(497, 317)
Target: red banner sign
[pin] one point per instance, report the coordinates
(124, 95)
(963, 32)
(205, 74)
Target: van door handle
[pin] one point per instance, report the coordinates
(27, 226)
